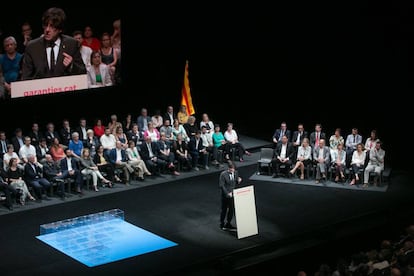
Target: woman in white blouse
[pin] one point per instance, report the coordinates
(304, 158)
(357, 162)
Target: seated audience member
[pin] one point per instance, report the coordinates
(152, 132)
(351, 143)
(166, 153)
(182, 154)
(51, 172)
(303, 159)
(357, 162)
(57, 150)
(14, 177)
(76, 145)
(108, 54)
(127, 123)
(178, 128)
(88, 167)
(167, 129)
(182, 115)
(371, 141)
(9, 193)
(41, 150)
(35, 134)
(98, 73)
(198, 151)
(108, 141)
(10, 62)
(149, 153)
(283, 154)
(98, 128)
(114, 124)
(135, 160)
(298, 136)
(90, 40)
(50, 134)
(170, 115)
(335, 140)
(91, 141)
(33, 175)
(375, 163)
(322, 159)
(316, 136)
(69, 166)
(191, 126)
(121, 136)
(278, 134)
(157, 119)
(208, 143)
(338, 160)
(232, 138)
(207, 123)
(220, 143)
(9, 155)
(102, 161)
(118, 158)
(142, 120)
(134, 135)
(85, 51)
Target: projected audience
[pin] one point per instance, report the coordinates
(98, 73)
(10, 63)
(86, 51)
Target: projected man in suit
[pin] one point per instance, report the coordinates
(53, 54)
(228, 181)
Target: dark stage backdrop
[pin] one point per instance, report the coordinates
(342, 66)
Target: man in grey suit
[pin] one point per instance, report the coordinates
(228, 181)
(53, 54)
(321, 157)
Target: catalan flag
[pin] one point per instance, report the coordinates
(186, 93)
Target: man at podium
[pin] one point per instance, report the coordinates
(228, 181)
(53, 54)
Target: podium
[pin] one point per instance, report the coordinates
(44, 86)
(245, 211)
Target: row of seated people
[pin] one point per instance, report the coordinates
(322, 159)
(350, 141)
(211, 136)
(150, 158)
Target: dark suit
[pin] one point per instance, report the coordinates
(303, 135)
(3, 150)
(289, 155)
(278, 135)
(151, 162)
(33, 176)
(168, 117)
(9, 192)
(35, 63)
(126, 168)
(16, 143)
(195, 151)
(312, 138)
(76, 176)
(227, 186)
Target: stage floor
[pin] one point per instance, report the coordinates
(185, 210)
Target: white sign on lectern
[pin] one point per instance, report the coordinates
(245, 211)
(46, 86)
